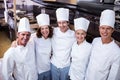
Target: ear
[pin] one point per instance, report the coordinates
(18, 34)
(85, 34)
(68, 23)
(113, 30)
(99, 28)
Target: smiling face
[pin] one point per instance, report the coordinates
(106, 32)
(63, 25)
(45, 31)
(80, 35)
(23, 37)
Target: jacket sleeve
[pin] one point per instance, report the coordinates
(32, 62)
(115, 70)
(7, 66)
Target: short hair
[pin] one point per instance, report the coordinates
(39, 35)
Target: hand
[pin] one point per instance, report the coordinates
(14, 43)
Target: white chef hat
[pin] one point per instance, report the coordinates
(43, 19)
(24, 25)
(107, 18)
(81, 23)
(62, 14)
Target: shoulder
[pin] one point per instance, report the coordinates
(56, 28)
(71, 31)
(88, 45)
(116, 47)
(9, 53)
(74, 43)
(97, 39)
(33, 36)
(30, 43)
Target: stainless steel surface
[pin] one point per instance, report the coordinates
(109, 1)
(89, 0)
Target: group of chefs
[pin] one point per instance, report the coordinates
(59, 53)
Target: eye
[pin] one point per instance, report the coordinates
(78, 33)
(22, 34)
(102, 28)
(42, 28)
(46, 28)
(109, 28)
(28, 35)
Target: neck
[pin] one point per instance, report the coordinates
(106, 41)
(64, 30)
(21, 44)
(79, 42)
(45, 37)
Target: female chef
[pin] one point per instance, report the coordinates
(43, 48)
(81, 50)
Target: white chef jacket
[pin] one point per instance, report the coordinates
(43, 50)
(19, 61)
(62, 44)
(80, 57)
(104, 62)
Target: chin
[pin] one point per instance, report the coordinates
(24, 43)
(104, 37)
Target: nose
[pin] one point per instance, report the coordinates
(25, 37)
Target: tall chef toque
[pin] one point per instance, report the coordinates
(81, 23)
(62, 14)
(24, 25)
(43, 19)
(107, 18)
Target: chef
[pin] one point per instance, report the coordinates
(62, 42)
(105, 57)
(81, 50)
(19, 62)
(43, 46)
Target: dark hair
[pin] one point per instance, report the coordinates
(39, 35)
